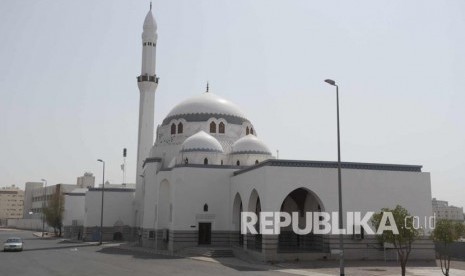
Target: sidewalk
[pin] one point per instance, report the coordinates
(316, 268)
(366, 268)
(46, 235)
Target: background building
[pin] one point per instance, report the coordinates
(86, 181)
(442, 210)
(29, 188)
(11, 202)
(40, 196)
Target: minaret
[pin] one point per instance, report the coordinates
(147, 82)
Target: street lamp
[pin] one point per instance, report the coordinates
(341, 236)
(101, 210)
(43, 206)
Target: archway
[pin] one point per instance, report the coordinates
(301, 200)
(236, 220)
(254, 242)
(164, 200)
(118, 229)
(117, 236)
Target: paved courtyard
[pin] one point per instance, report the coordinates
(56, 257)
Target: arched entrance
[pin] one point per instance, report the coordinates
(117, 236)
(254, 242)
(118, 230)
(236, 220)
(301, 200)
(164, 202)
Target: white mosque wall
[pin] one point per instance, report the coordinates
(150, 193)
(118, 207)
(75, 209)
(362, 190)
(192, 188)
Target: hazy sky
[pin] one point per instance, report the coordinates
(68, 91)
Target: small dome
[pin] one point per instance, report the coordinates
(250, 144)
(206, 103)
(201, 141)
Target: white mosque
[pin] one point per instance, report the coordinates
(207, 163)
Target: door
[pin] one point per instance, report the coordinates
(205, 232)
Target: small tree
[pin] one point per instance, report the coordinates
(446, 232)
(404, 239)
(54, 212)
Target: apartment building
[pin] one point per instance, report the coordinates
(11, 202)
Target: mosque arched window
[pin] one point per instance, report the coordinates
(180, 128)
(221, 128)
(238, 163)
(247, 131)
(205, 161)
(173, 129)
(251, 131)
(205, 207)
(212, 127)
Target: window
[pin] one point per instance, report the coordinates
(238, 163)
(205, 207)
(173, 129)
(221, 128)
(205, 161)
(256, 162)
(221, 162)
(251, 131)
(151, 235)
(247, 131)
(212, 127)
(186, 161)
(180, 128)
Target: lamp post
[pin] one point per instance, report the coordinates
(43, 206)
(341, 236)
(101, 210)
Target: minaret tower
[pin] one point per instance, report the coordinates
(147, 82)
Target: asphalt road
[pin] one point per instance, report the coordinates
(48, 257)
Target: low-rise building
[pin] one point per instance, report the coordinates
(11, 202)
(81, 218)
(29, 188)
(74, 213)
(442, 210)
(86, 181)
(40, 196)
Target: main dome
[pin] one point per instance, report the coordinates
(206, 103)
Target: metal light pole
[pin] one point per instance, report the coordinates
(101, 210)
(43, 206)
(341, 236)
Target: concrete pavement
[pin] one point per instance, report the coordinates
(59, 257)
